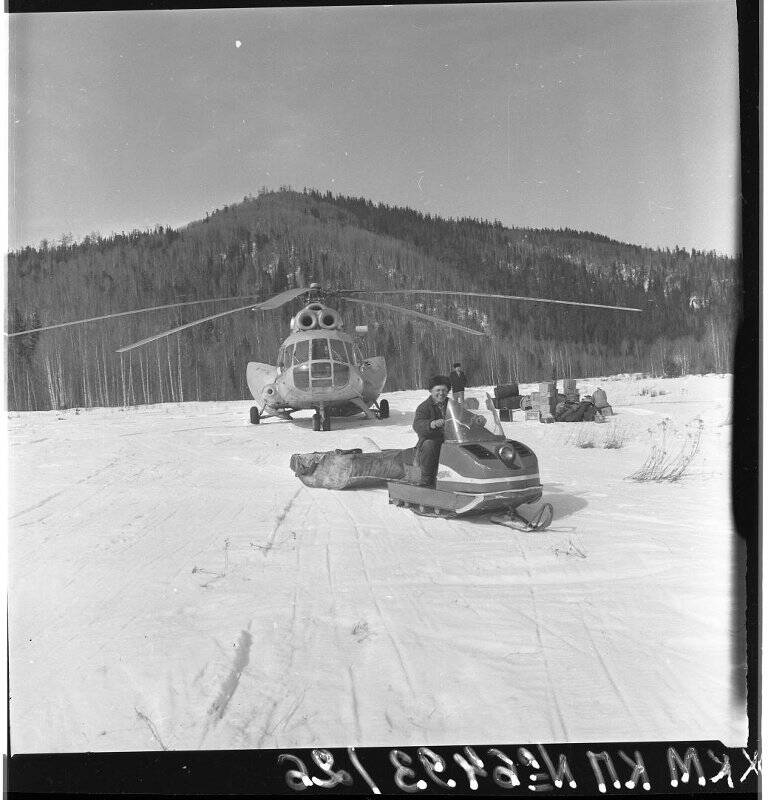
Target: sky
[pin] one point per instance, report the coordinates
(619, 118)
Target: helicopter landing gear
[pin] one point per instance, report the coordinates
(383, 409)
(255, 416)
(321, 422)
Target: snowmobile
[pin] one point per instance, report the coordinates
(480, 470)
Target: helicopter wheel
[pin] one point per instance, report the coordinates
(327, 422)
(383, 409)
(316, 422)
(255, 416)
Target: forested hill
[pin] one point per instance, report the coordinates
(270, 242)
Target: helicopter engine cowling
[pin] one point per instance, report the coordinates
(328, 319)
(306, 320)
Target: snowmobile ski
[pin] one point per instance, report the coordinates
(513, 519)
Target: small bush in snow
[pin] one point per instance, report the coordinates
(646, 391)
(615, 438)
(587, 436)
(665, 462)
(581, 435)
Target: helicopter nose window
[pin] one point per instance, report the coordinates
(319, 349)
(301, 376)
(339, 351)
(321, 373)
(301, 353)
(329, 365)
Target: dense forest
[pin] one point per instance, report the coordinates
(281, 239)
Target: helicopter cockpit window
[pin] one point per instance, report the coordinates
(339, 351)
(357, 354)
(301, 353)
(319, 349)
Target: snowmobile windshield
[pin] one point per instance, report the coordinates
(466, 425)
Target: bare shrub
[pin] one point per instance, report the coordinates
(665, 462)
(587, 436)
(651, 391)
(615, 438)
(582, 435)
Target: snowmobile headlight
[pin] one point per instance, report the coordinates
(508, 455)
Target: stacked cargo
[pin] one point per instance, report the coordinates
(570, 391)
(506, 399)
(530, 404)
(546, 404)
(547, 400)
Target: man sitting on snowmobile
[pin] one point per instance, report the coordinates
(428, 422)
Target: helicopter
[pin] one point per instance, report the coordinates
(320, 365)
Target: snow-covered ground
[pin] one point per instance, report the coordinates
(173, 585)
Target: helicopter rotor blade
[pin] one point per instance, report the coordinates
(127, 313)
(416, 314)
(482, 294)
(281, 299)
(273, 302)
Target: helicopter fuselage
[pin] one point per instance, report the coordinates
(320, 367)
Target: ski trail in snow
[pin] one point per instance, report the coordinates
(614, 683)
(242, 654)
(355, 704)
(369, 583)
(228, 687)
(547, 671)
(267, 727)
(281, 515)
(552, 632)
(334, 615)
(152, 729)
(61, 491)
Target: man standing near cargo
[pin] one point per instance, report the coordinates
(428, 422)
(458, 382)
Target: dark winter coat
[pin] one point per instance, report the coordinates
(427, 412)
(458, 380)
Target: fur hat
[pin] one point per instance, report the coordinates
(438, 380)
